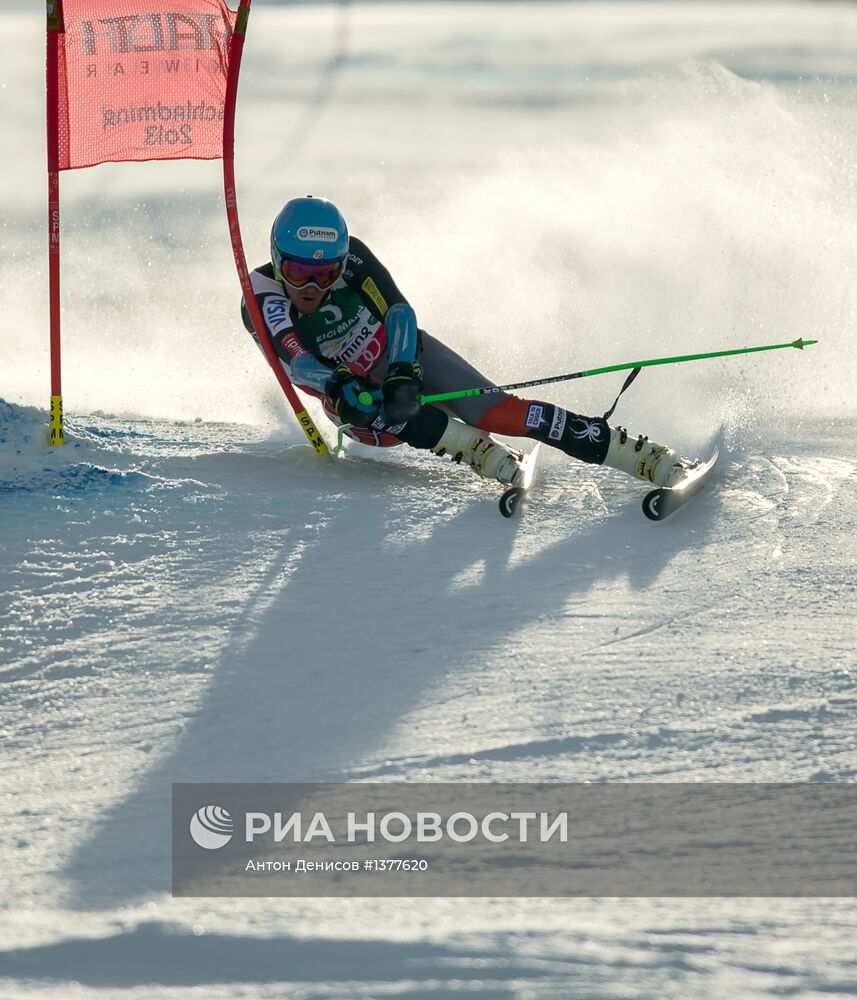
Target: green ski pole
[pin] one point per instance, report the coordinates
(485, 390)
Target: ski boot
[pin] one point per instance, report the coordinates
(644, 459)
(477, 449)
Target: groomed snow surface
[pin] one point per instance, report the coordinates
(189, 594)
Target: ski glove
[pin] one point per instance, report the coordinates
(401, 391)
(355, 398)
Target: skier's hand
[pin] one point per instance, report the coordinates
(401, 389)
(355, 398)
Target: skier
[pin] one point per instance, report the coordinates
(345, 334)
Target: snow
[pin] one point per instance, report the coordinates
(188, 594)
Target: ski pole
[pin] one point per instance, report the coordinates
(485, 390)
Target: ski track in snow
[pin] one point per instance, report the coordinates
(182, 567)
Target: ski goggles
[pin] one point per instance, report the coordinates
(298, 273)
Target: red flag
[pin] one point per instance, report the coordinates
(145, 80)
(142, 80)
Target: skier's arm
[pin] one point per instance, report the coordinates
(374, 283)
(300, 365)
(403, 337)
(403, 382)
(368, 276)
(309, 371)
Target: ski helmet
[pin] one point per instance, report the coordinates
(310, 230)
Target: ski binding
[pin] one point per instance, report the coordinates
(511, 498)
(660, 503)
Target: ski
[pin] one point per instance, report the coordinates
(659, 504)
(511, 498)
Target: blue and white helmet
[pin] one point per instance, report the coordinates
(308, 229)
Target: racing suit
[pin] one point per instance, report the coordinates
(348, 328)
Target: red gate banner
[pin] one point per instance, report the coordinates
(145, 80)
(141, 80)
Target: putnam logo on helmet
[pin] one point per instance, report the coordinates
(315, 234)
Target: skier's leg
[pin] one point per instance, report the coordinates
(588, 439)
(444, 371)
(434, 430)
